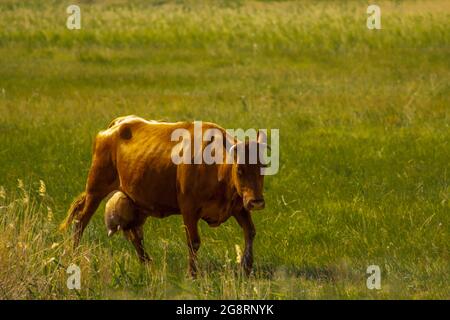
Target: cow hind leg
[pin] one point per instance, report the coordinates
(136, 236)
(92, 201)
(102, 180)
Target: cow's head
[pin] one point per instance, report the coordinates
(246, 173)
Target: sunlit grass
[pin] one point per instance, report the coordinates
(364, 125)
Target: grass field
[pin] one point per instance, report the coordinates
(364, 119)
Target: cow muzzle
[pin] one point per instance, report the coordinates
(255, 204)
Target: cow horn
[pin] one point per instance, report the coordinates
(233, 147)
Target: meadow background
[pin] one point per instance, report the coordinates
(364, 133)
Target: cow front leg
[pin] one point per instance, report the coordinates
(193, 242)
(245, 221)
(136, 237)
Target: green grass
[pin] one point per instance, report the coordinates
(364, 133)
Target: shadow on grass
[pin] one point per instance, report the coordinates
(270, 271)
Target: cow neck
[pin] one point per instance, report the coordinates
(231, 194)
(228, 178)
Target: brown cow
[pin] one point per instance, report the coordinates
(134, 156)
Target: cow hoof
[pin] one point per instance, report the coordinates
(193, 273)
(145, 260)
(247, 270)
(247, 266)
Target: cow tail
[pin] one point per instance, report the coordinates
(76, 206)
